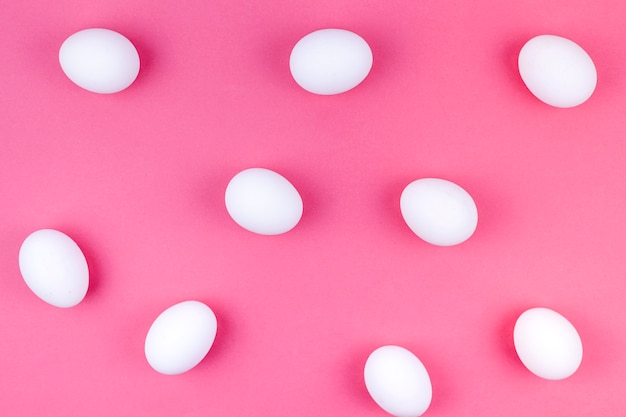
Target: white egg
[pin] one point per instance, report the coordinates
(398, 381)
(263, 202)
(99, 60)
(547, 343)
(439, 211)
(180, 337)
(557, 71)
(54, 268)
(330, 61)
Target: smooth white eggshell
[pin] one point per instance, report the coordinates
(439, 211)
(330, 61)
(99, 60)
(54, 268)
(557, 71)
(263, 201)
(547, 343)
(180, 337)
(398, 381)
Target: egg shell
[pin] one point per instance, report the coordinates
(263, 201)
(439, 211)
(398, 381)
(330, 61)
(547, 343)
(557, 71)
(99, 60)
(54, 268)
(180, 337)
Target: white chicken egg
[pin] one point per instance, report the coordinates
(547, 343)
(99, 60)
(330, 61)
(398, 381)
(439, 211)
(180, 337)
(263, 201)
(557, 71)
(54, 268)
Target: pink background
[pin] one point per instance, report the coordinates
(138, 179)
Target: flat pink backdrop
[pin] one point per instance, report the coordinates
(138, 179)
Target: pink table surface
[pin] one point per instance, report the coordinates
(138, 179)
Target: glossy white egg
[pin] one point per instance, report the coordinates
(439, 211)
(398, 381)
(557, 71)
(330, 61)
(99, 60)
(180, 337)
(54, 268)
(547, 343)
(263, 201)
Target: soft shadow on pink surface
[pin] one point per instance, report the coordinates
(509, 56)
(206, 196)
(353, 379)
(149, 58)
(224, 338)
(443, 390)
(388, 207)
(93, 256)
(504, 340)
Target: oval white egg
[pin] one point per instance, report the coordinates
(263, 202)
(398, 381)
(180, 337)
(330, 61)
(557, 71)
(99, 60)
(547, 343)
(54, 268)
(439, 211)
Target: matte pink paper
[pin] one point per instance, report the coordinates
(137, 179)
